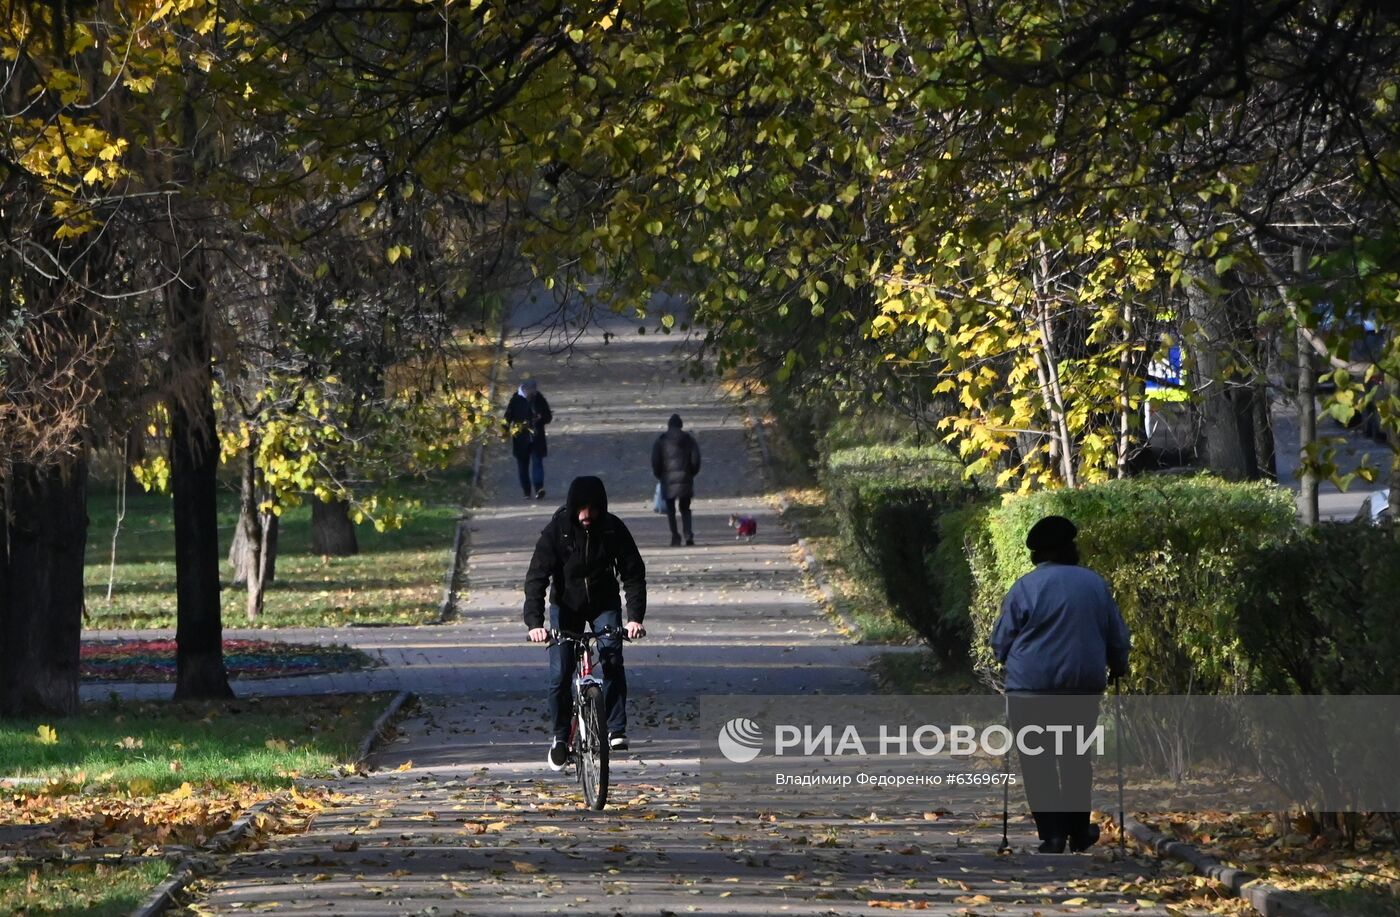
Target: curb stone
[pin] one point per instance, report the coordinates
(461, 539)
(379, 730)
(1266, 899)
(192, 865)
(814, 566)
(456, 570)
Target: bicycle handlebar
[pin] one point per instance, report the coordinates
(562, 636)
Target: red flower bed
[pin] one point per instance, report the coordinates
(154, 660)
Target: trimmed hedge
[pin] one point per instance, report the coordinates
(1320, 613)
(1221, 590)
(1176, 553)
(900, 510)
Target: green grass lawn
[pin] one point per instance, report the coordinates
(397, 578)
(921, 672)
(129, 779)
(90, 889)
(1375, 901)
(859, 600)
(145, 748)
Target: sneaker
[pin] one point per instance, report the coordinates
(539, 494)
(558, 756)
(618, 741)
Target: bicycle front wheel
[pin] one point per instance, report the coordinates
(593, 749)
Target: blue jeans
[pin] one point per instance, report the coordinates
(531, 468)
(561, 671)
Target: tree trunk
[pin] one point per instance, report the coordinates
(194, 438)
(247, 540)
(199, 631)
(253, 553)
(194, 460)
(261, 560)
(271, 527)
(1307, 410)
(41, 615)
(1125, 402)
(1261, 427)
(1227, 423)
(1048, 370)
(135, 454)
(332, 532)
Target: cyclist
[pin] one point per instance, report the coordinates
(580, 556)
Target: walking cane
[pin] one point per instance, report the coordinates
(1118, 747)
(1006, 787)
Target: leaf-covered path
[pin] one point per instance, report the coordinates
(462, 817)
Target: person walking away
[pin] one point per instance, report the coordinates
(1058, 631)
(580, 557)
(527, 414)
(675, 461)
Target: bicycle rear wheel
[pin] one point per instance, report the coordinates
(593, 749)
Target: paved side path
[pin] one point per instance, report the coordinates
(463, 818)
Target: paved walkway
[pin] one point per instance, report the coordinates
(463, 818)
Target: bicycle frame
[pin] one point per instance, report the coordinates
(588, 744)
(585, 653)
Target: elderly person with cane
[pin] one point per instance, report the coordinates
(1059, 632)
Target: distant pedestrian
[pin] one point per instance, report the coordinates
(527, 414)
(675, 461)
(1059, 630)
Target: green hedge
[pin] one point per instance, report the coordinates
(1174, 550)
(1319, 613)
(901, 510)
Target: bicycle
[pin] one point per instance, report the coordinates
(588, 735)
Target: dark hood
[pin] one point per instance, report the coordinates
(586, 491)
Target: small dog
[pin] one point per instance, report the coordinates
(743, 526)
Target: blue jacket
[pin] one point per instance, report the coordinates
(1059, 630)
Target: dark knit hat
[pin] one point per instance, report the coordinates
(1050, 533)
(675, 421)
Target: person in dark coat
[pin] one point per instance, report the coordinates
(675, 461)
(526, 417)
(1058, 631)
(580, 556)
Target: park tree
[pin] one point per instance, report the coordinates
(60, 179)
(390, 227)
(1029, 204)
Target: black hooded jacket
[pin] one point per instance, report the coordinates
(582, 566)
(675, 461)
